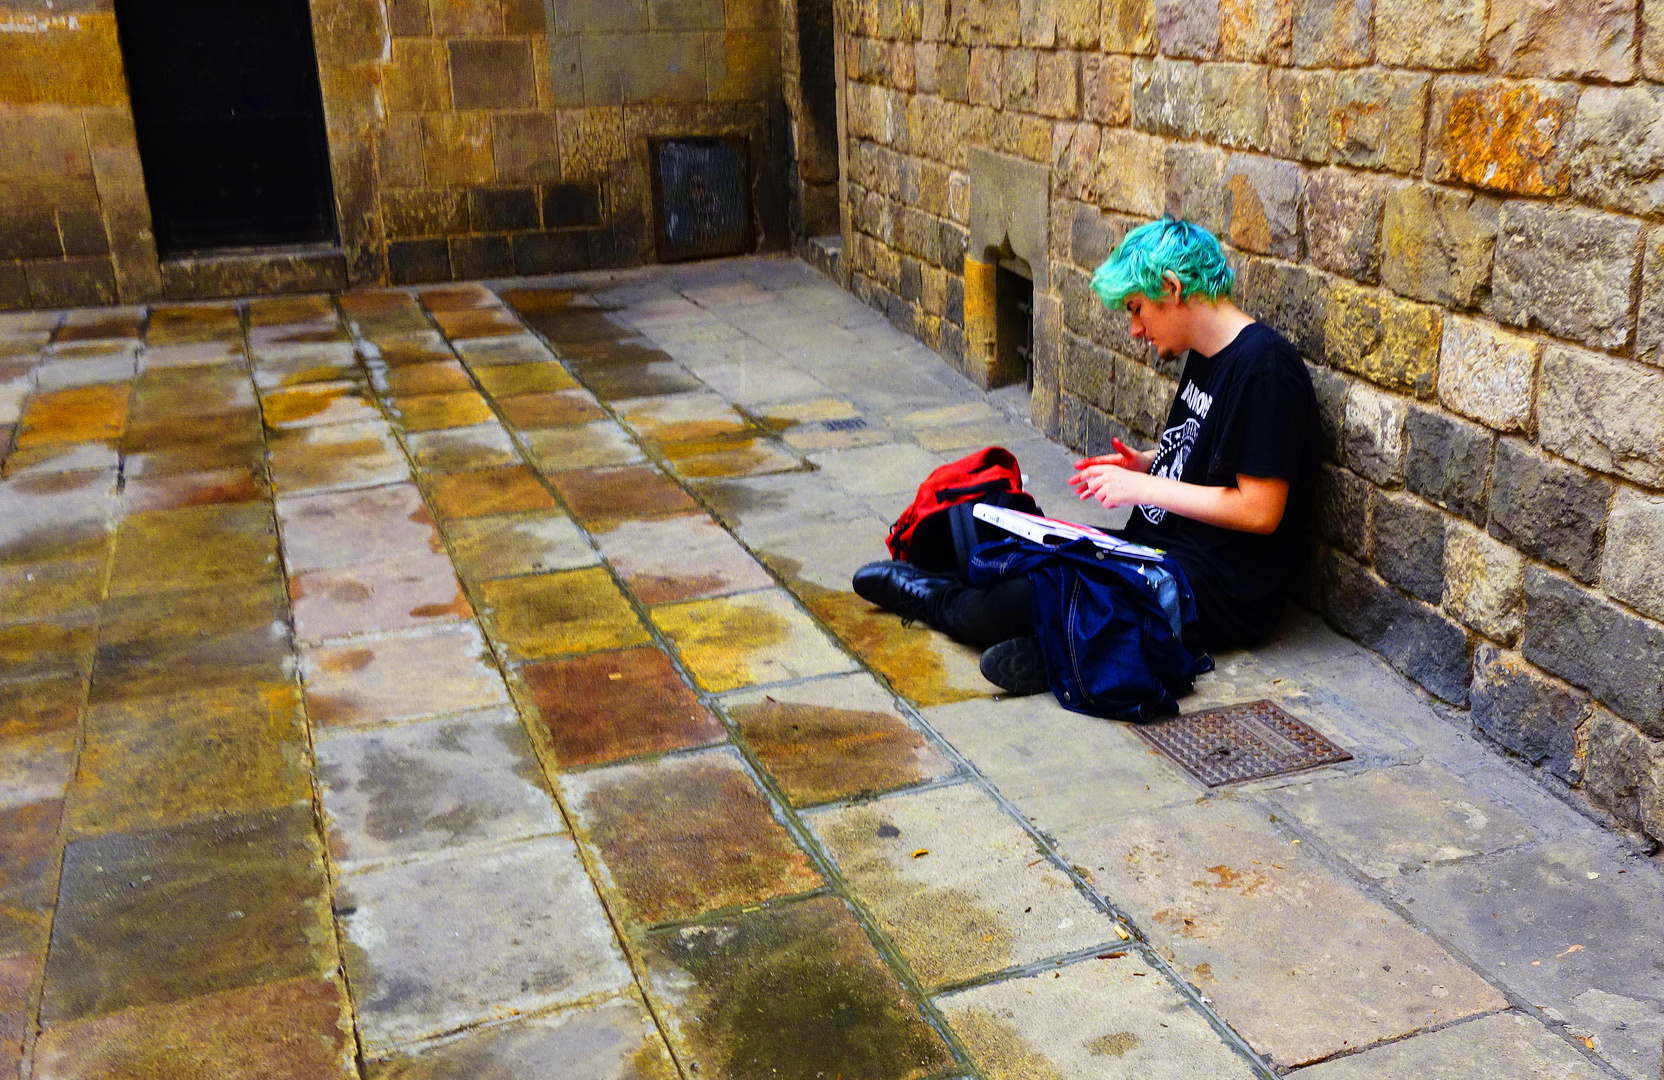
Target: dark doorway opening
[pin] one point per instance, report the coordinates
(230, 122)
(1014, 321)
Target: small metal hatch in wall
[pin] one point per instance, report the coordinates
(1234, 743)
(702, 193)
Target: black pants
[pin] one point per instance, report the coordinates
(982, 617)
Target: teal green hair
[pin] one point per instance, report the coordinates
(1181, 248)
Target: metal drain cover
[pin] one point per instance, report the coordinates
(851, 423)
(1234, 743)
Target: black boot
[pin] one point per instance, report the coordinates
(899, 587)
(1016, 666)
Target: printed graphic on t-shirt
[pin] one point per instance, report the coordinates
(1170, 460)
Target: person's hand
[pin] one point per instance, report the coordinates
(1112, 485)
(1125, 457)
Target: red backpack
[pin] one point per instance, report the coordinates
(937, 532)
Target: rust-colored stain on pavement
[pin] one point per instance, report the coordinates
(611, 494)
(682, 836)
(613, 705)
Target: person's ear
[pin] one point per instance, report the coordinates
(1170, 285)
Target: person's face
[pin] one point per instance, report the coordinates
(1160, 322)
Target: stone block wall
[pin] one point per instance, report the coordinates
(467, 138)
(65, 135)
(1454, 209)
(509, 149)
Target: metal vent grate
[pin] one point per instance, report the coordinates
(1241, 742)
(852, 423)
(702, 189)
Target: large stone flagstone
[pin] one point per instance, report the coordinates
(833, 738)
(612, 705)
(522, 930)
(795, 991)
(960, 888)
(745, 640)
(430, 785)
(685, 835)
(1296, 958)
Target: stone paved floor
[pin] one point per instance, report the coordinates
(458, 683)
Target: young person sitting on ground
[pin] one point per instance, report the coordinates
(1226, 492)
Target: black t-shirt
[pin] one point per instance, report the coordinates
(1247, 410)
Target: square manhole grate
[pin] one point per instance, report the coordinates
(1234, 743)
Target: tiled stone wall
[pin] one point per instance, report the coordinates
(1455, 209)
(466, 140)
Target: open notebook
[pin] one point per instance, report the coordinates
(1045, 530)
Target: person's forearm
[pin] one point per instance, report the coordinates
(1226, 507)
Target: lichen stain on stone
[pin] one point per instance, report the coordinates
(650, 1062)
(293, 405)
(797, 993)
(692, 836)
(720, 640)
(819, 753)
(709, 459)
(297, 1029)
(1249, 227)
(569, 612)
(906, 656)
(999, 1048)
(324, 373)
(1116, 1045)
(945, 933)
(1507, 139)
(44, 649)
(79, 414)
